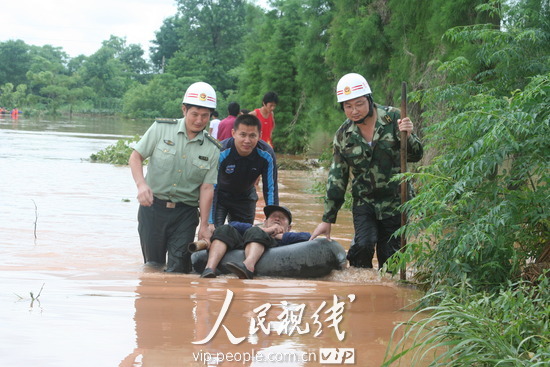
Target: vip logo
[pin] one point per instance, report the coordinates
(337, 355)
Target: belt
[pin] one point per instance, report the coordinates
(166, 203)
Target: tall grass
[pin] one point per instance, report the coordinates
(510, 328)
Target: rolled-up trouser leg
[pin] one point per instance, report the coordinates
(228, 235)
(387, 244)
(256, 234)
(366, 235)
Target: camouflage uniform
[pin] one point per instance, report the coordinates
(375, 198)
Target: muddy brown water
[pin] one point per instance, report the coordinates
(78, 293)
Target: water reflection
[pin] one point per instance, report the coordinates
(173, 311)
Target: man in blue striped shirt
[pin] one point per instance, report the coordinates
(244, 158)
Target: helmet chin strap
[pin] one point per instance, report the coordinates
(360, 121)
(371, 110)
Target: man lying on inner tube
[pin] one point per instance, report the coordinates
(253, 239)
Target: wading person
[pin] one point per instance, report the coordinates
(266, 116)
(244, 158)
(367, 147)
(179, 186)
(253, 239)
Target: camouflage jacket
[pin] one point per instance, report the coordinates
(371, 167)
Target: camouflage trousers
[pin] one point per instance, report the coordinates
(371, 234)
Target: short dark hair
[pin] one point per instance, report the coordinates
(270, 97)
(244, 111)
(233, 108)
(214, 113)
(248, 120)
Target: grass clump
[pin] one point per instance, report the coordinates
(509, 328)
(118, 153)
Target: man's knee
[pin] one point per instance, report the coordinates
(257, 235)
(228, 235)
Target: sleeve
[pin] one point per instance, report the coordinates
(294, 237)
(146, 145)
(269, 176)
(337, 183)
(415, 151)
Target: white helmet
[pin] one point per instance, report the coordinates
(200, 94)
(351, 86)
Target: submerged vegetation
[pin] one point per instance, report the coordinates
(118, 153)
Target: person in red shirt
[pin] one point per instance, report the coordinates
(266, 116)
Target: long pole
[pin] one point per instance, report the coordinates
(403, 150)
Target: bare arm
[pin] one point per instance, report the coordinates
(205, 204)
(145, 195)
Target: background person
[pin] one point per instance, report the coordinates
(214, 123)
(266, 115)
(226, 125)
(181, 174)
(244, 158)
(367, 147)
(253, 239)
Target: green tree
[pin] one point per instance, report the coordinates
(11, 96)
(15, 60)
(210, 34)
(481, 211)
(358, 43)
(161, 97)
(166, 42)
(314, 115)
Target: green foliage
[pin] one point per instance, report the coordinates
(510, 328)
(166, 42)
(118, 153)
(209, 40)
(161, 97)
(481, 212)
(15, 61)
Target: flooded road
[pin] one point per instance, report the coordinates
(73, 289)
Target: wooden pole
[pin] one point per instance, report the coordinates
(403, 150)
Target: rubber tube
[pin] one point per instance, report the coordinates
(310, 259)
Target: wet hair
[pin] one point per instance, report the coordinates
(270, 97)
(233, 108)
(214, 113)
(248, 120)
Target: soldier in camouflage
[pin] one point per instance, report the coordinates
(366, 147)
